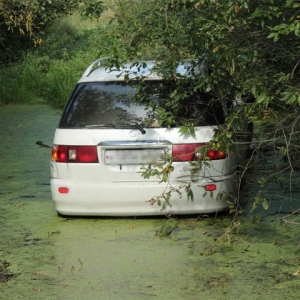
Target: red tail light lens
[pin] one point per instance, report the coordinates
(59, 153)
(74, 154)
(186, 152)
(216, 154)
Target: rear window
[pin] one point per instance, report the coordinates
(117, 104)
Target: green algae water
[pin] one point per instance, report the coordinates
(131, 258)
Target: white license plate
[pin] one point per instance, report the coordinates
(134, 156)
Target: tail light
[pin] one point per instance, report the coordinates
(184, 152)
(215, 154)
(74, 154)
(190, 152)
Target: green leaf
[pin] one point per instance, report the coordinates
(265, 203)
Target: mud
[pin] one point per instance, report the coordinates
(132, 258)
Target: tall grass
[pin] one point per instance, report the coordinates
(50, 72)
(61, 79)
(13, 88)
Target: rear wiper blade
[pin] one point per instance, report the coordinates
(100, 126)
(139, 127)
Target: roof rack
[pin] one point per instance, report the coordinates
(93, 66)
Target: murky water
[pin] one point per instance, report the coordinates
(124, 258)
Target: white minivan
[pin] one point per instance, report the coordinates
(106, 139)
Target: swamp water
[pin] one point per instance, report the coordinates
(130, 258)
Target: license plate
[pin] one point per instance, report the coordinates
(134, 156)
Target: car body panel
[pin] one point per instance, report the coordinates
(132, 198)
(102, 189)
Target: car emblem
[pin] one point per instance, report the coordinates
(135, 133)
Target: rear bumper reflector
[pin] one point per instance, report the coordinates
(210, 187)
(63, 190)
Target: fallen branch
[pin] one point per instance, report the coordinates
(228, 231)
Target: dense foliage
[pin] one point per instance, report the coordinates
(23, 22)
(248, 46)
(248, 50)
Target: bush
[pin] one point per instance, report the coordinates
(50, 71)
(13, 88)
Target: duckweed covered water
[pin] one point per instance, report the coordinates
(130, 258)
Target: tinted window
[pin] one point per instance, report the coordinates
(120, 104)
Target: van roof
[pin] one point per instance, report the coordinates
(98, 72)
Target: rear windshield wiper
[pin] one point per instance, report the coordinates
(139, 127)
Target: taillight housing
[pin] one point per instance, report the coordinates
(184, 152)
(192, 152)
(215, 154)
(74, 154)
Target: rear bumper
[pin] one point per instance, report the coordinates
(130, 198)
